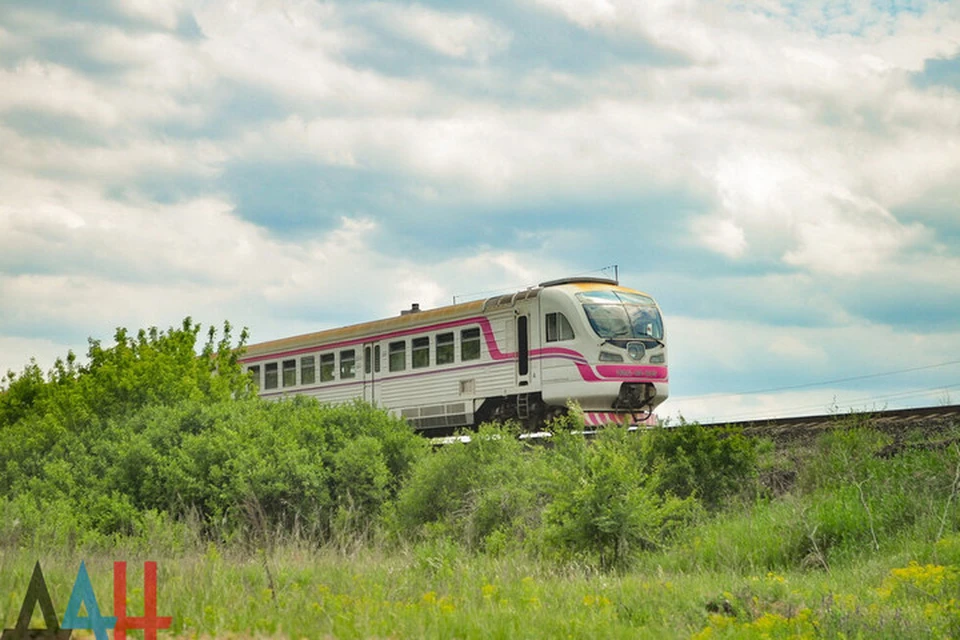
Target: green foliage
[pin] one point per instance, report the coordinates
(148, 426)
(55, 435)
(711, 464)
(604, 502)
(601, 501)
(474, 491)
(840, 456)
(767, 536)
(153, 368)
(855, 498)
(242, 465)
(19, 393)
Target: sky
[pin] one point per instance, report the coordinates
(782, 176)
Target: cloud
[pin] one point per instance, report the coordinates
(779, 175)
(165, 15)
(455, 35)
(851, 242)
(296, 51)
(77, 263)
(45, 87)
(773, 204)
(723, 236)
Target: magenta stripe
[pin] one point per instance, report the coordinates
(482, 321)
(598, 418)
(327, 385)
(489, 338)
(491, 341)
(579, 359)
(631, 371)
(586, 372)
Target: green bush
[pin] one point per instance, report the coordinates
(472, 490)
(148, 426)
(603, 500)
(711, 464)
(840, 456)
(600, 500)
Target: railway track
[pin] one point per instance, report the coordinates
(897, 422)
(933, 423)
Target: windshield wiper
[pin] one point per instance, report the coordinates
(617, 339)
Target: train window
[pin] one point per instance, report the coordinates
(444, 348)
(326, 367)
(398, 355)
(367, 356)
(255, 374)
(470, 344)
(376, 358)
(420, 353)
(558, 328)
(348, 360)
(270, 376)
(289, 373)
(308, 369)
(622, 314)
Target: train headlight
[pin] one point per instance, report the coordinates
(606, 356)
(636, 350)
(657, 359)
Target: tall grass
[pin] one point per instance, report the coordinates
(440, 590)
(498, 539)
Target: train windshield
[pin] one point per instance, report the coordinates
(619, 314)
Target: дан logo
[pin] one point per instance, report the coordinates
(83, 596)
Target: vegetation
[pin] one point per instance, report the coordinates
(290, 517)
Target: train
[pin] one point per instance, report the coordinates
(527, 356)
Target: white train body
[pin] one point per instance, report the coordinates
(522, 356)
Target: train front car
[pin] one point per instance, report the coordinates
(604, 347)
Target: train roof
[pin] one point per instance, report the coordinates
(414, 316)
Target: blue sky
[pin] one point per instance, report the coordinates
(782, 176)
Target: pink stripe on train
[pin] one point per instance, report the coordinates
(600, 418)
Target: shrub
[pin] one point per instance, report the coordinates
(711, 464)
(147, 425)
(603, 503)
(840, 456)
(471, 490)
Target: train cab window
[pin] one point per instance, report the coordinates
(326, 367)
(444, 348)
(420, 353)
(289, 373)
(398, 355)
(558, 328)
(270, 376)
(348, 361)
(470, 344)
(308, 369)
(255, 374)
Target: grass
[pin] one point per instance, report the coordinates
(439, 590)
(860, 544)
(426, 591)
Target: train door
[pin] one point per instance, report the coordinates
(526, 339)
(371, 372)
(523, 350)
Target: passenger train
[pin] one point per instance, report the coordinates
(519, 356)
